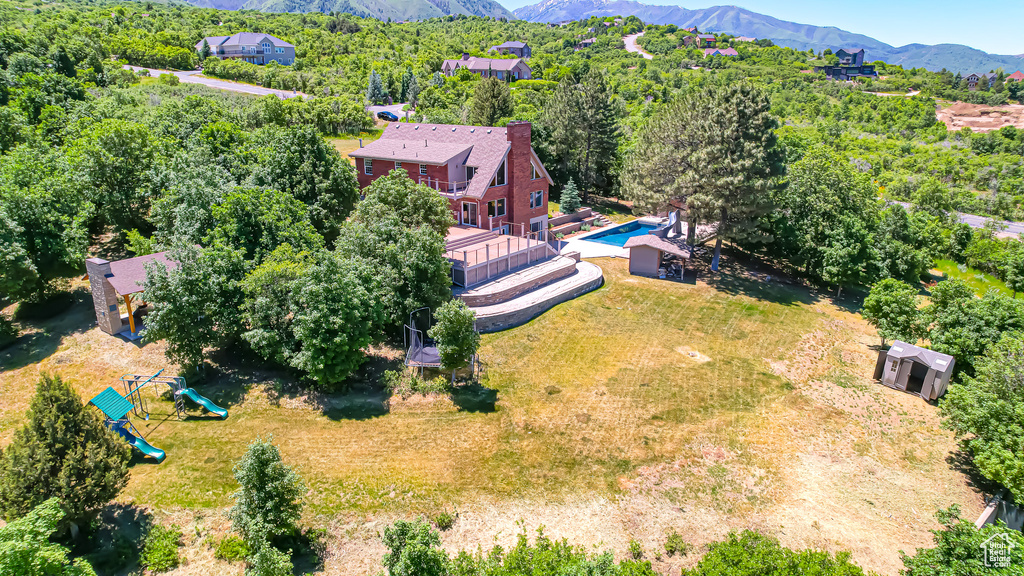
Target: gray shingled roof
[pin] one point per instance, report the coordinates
(482, 64)
(128, 276)
(243, 38)
(489, 146)
(510, 44)
(675, 246)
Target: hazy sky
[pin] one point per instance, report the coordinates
(995, 26)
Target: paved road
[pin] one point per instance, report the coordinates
(632, 46)
(195, 77)
(975, 221)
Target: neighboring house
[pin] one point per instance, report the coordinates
(250, 47)
(914, 369)
(745, 39)
(691, 29)
(850, 57)
(851, 65)
(491, 177)
(700, 41)
(1016, 76)
(518, 49)
(709, 52)
(586, 43)
(501, 68)
(973, 79)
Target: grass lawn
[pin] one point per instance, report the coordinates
(980, 282)
(350, 143)
(641, 407)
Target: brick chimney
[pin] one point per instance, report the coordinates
(518, 135)
(465, 55)
(104, 297)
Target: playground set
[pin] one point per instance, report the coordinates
(115, 407)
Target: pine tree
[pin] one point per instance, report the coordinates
(64, 451)
(437, 80)
(492, 101)
(583, 122)
(413, 90)
(570, 199)
(375, 92)
(204, 50)
(713, 152)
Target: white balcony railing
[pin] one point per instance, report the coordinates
(452, 190)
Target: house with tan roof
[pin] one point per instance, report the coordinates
(500, 68)
(700, 41)
(251, 47)
(709, 52)
(491, 176)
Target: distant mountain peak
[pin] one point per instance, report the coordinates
(742, 22)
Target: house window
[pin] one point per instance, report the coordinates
(536, 199)
(892, 368)
(470, 172)
(368, 167)
(499, 176)
(496, 208)
(279, 50)
(536, 226)
(534, 173)
(266, 46)
(423, 169)
(398, 164)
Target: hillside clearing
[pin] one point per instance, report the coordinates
(591, 421)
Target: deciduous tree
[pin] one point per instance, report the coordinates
(26, 550)
(415, 205)
(987, 412)
(455, 333)
(891, 308)
(300, 162)
(268, 501)
(959, 549)
(195, 305)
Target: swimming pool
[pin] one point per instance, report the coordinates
(617, 235)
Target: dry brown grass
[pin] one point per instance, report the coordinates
(604, 429)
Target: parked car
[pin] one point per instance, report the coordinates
(389, 116)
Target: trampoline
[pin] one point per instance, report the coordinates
(420, 352)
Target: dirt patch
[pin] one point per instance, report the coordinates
(693, 355)
(979, 117)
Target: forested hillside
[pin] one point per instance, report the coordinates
(741, 22)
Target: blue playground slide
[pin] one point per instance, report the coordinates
(204, 402)
(139, 443)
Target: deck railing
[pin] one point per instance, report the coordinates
(491, 260)
(450, 189)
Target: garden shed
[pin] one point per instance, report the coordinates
(914, 369)
(646, 252)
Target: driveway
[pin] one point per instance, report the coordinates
(395, 109)
(632, 46)
(196, 77)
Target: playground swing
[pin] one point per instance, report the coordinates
(115, 407)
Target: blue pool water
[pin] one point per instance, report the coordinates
(617, 235)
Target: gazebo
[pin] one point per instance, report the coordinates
(110, 281)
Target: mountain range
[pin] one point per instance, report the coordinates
(380, 9)
(742, 22)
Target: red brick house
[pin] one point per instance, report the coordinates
(491, 176)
